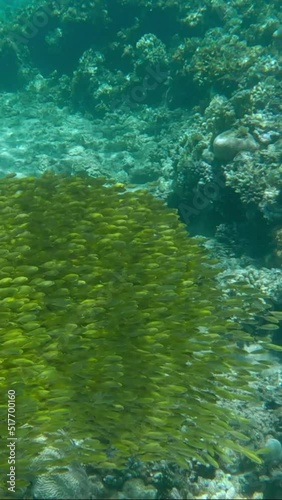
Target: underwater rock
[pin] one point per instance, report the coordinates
(231, 142)
(277, 245)
(274, 450)
(278, 33)
(135, 488)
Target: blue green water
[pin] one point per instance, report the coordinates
(114, 332)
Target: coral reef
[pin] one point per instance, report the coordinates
(183, 99)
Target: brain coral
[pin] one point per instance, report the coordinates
(114, 336)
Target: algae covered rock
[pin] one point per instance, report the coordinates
(231, 142)
(135, 489)
(115, 340)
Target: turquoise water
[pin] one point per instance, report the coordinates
(12, 4)
(141, 248)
